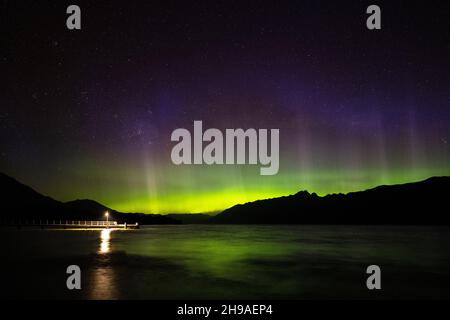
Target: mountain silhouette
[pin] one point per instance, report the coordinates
(424, 202)
(21, 203)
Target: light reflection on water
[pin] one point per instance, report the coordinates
(104, 280)
(231, 262)
(105, 237)
(103, 285)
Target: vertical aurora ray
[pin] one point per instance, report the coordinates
(355, 109)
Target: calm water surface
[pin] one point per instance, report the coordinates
(228, 262)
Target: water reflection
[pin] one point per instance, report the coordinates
(103, 277)
(230, 262)
(105, 238)
(104, 284)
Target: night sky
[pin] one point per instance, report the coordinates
(89, 113)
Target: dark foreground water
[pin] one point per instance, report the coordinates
(227, 262)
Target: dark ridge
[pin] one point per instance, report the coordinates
(21, 203)
(424, 202)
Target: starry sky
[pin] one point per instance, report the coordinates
(89, 113)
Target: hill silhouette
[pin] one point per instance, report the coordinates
(424, 202)
(20, 203)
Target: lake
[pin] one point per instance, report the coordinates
(227, 262)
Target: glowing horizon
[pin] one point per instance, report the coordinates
(210, 202)
(139, 194)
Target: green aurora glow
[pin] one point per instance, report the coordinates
(194, 189)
